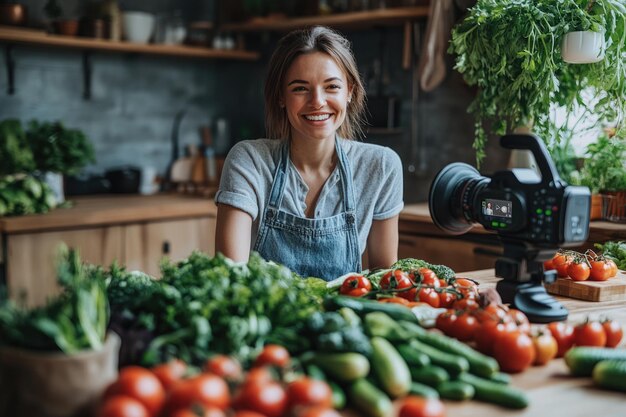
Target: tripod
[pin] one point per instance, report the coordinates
(521, 268)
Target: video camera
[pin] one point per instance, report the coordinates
(533, 216)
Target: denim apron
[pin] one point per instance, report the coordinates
(325, 248)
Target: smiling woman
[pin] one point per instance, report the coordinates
(293, 197)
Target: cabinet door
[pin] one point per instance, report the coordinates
(31, 260)
(458, 254)
(146, 244)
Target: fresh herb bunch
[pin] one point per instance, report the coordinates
(615, 250)
(209, 304)
(75, 320)
(58, 149)
(15, 153)
(603, 168)
(511, 50)
(24, 194)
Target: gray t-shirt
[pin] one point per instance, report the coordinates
(376, 170)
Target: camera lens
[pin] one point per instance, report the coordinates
(451, 197)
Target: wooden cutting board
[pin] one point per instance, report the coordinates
(610, 290)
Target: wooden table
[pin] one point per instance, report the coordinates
(552, 392)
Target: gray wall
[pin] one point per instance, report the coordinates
(135, 97)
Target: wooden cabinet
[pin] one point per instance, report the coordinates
(146, 244)
(136, 231)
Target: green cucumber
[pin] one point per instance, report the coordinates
(581, 360)
(456, 390)
(413, 357)
(343, 367)
(610, 374)
(495, 392)
(364, 306)
(339, 396)
(391, 370)
(315, 372)
(423, 390)
(501, 378)
(479, 364)
(430, 375)
(366, 397)
(452, 363)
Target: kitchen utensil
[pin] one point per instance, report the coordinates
(181, 170)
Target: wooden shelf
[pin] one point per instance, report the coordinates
(352, 20)
(40, 38)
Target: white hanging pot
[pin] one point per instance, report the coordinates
(583, 47)
(55, 182)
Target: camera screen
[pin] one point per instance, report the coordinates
(500, 208)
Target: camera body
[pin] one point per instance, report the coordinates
(518, 204)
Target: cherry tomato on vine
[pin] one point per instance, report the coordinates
(355, 286)
(465, 327)
(429, 296)
(446, 299)
(489, 332)
(269, 399)
(445, 321)
(309, 392)
(578, 270)
(140, 384)
(399, 280)
(561, 263)
(122, 406)
(206, 390)
(601, 270)
(613, 265)
(520, 320)
(590, 333)
(224, 366)
(548, 265)
(613, 332)
(429, 277)
(170, 372)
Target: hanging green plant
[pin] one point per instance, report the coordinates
(511, 50)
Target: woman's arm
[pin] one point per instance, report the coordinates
(233, 233)
(382, 243)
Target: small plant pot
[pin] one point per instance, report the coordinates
(583, 47)
(596, 207)
(67, 27)
(614, 206)
(55, 182)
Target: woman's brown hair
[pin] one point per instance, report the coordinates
(305, 41)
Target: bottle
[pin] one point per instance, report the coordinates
(111, 11)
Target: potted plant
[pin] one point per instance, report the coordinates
(15, 154)
(511, 50)
(604, 172)
(58, 358)
(58, 151)
(60, 25)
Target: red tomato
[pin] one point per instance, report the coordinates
(429, 296)
(247, 413)
(413, 406)
(204, 389)
(467, 287)
(545, 348)
(445, 321)
(261, 374)
(140, 384)
(514, 351)
(564, 335)
(465, 327)
(561, 263)
(520, 320)
(318, 412)
(355, 286)
(123, 406)
(465, 304)
(193, 412)
(224, 366)
(273, 355)
(429, 278)
(614, 269)
(269, 399)
(548, 265)
(613, 332)
(578, 271)
(399, 280)
(489, 332)
(308, 392)
(590, 333)
(492, 312)
(170, 372)
(600, 270)
(446, 299)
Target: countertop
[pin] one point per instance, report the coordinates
(551, 390)
(89, 211)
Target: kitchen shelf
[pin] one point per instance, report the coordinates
(34, 37)
(352, 20)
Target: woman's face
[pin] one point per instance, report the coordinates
(315, 96)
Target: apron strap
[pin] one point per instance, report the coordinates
(280, 178)
(346, 178)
